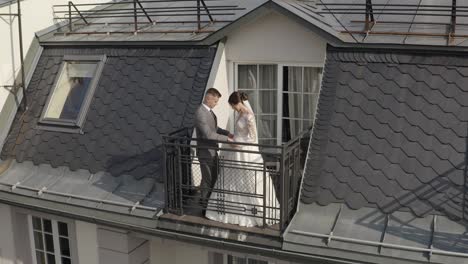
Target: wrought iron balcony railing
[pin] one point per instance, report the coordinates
(264, 187)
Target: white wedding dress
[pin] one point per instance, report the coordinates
(242, 183)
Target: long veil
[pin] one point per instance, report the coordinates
(247, 104)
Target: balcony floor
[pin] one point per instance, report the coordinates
(272, 230)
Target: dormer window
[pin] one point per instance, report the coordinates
(72, 92)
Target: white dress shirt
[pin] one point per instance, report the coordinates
(207, 108)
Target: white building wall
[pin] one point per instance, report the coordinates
(275, 38)
(165, 251)
(119, 247)
(221, 83)
(36, 15)
(272, 38)
(86, 242)
(7, 242)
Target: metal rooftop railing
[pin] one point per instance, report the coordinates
(394, 18)
(144, 16)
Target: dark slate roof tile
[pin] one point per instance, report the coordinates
(128, 114)
(391, 136)
(355, 200)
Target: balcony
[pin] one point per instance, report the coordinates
(283, 164)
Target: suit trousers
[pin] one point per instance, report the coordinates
(209, 171)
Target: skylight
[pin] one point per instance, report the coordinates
(72, 92)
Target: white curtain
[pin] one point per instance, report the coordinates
(260, 83)
(294, 100)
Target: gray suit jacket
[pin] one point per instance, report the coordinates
(208, 131)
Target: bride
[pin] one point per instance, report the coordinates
(237, 197)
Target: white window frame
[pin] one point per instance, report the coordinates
(280, 67)
(71, 237)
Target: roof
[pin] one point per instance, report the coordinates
(101, 191)
(403, 23)
(171, 21)
(389, 140)
(371, 236)
(142, 94)
(412, 23)
(4, 3)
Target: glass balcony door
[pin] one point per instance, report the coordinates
(283, 97)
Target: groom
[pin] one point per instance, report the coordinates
(208, 132)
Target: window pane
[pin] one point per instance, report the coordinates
(310, 106)
(47, 225)
(63, 229)
(66, 261)
(216, 258)
(64, 247)
(236, 260)
(268, 77)
(254, 261)
(40, 257)
(268, 102)
(292, 105)
(37, 224)
(312, 78)
(70, 92)
(50, 259)
(266, 126)
(49, 241)
(291, 129)
(292, 79)
(38, 242)
(247, 76)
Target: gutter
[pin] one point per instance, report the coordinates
(147, 232)
(4, 166)
(331, 237)
(44, 190)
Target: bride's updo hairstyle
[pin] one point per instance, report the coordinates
(237, 97)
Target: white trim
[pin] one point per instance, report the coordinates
(31, 239)
(57, 251)
(215, 65)
(296, 64)
(279, 125)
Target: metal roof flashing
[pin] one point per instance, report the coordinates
(339, 231)
(98, 191)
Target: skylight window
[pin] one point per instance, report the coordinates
(73, 90)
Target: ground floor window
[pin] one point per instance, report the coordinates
(50, 241)
(220, 258)
(283, 97)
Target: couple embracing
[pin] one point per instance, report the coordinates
(235, 179)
